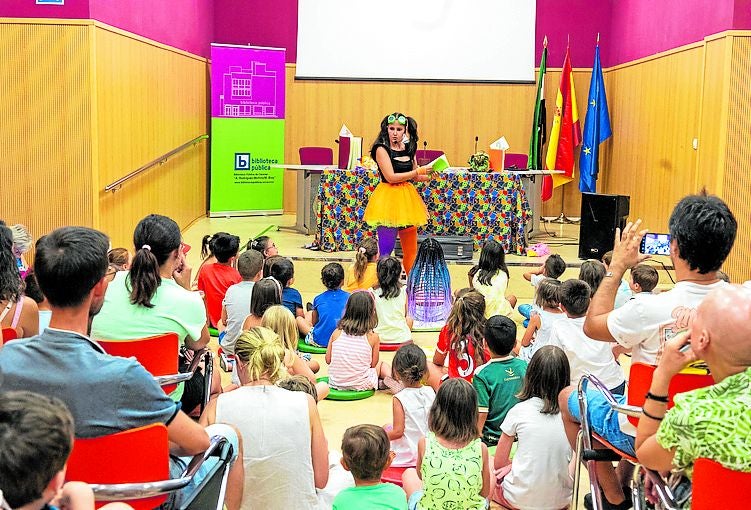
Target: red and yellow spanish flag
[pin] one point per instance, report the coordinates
(565, 134)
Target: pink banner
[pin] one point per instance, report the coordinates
(247, 82)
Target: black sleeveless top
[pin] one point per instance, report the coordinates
(399, 166)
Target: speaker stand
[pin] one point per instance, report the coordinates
(562, 218)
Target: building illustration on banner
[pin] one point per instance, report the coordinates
(249, 92)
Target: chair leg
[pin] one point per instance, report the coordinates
(209, 368)
(577, 472)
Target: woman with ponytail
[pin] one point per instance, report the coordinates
(154, 297)
(16, 310)
(395, 207)
(284, 448)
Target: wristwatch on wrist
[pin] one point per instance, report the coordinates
(608, 274)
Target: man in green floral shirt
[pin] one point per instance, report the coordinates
(712, 422)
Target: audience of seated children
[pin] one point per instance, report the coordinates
(283, 270)
(644, 279)
(410, 405)
(264, 245)
(33, 291)
(490, 278)
(538, 475)
(328, 306)
(36, 438)
(154, 298)
(394, 326)
(353, 351)
(214, 279)
(121, 258)
(361, 275)
(279, 320)
(498, 381)
(460, 340)
(584, 354)
(547, 313)
(592, 272)
(105, 394)
(624, 289)
(17, 311)
(452, 462)
(285, 452)
(553, 267)
(365, 452)
(236, 304)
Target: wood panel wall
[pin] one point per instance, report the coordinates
(150, 99)
(84, 104)
(45, 138)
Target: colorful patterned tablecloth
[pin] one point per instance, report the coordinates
(460, 203)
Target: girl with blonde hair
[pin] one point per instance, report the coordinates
(285, 452)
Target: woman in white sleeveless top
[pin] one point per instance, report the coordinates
(284, 448)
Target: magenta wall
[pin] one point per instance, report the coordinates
(644, 27)
(29, 9)
(185, 24)
(578, 21)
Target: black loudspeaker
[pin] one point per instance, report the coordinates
(600, 216)
(454, 247)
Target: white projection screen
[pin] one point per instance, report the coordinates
(431, 40)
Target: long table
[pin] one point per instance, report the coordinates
(477, 204)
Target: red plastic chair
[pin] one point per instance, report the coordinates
(640, 379)
(316, 156)
(134, 466)
(424, 157)
(158, 355)
(715, 486)
(393, 475)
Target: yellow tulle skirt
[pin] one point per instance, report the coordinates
(395, 205)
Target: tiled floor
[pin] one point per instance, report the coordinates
(338, 416)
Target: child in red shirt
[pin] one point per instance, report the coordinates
(215, 279)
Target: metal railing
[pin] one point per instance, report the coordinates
(158, 161)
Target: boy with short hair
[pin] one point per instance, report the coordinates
(365, 452)
(644, 279)
(498, 381)
(328, 307)
(36, 438)
(283, 271)
(584, 354)
(236, 304)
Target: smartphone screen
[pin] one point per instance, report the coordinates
(655, 244)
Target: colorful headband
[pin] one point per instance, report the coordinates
(401, 119)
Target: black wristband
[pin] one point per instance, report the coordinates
(651, 416)
(657, 398)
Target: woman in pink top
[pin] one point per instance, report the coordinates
(352, 353)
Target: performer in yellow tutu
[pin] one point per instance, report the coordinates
(395, 207)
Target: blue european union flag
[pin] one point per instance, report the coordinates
(596, 129)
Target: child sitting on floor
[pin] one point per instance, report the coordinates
(362, 274)
(36, 438)
(264, 245)
(328, 306)
(429, 296)
(547, 302)
(553, 267)
(410, 405)
(394, 327)
(215, 279)
(644, 279)
(365, 452)
(283, 271)
(452, 463)
(460, 340)
(353, 351)
(490, 278)
(236, 304)
(535, 423)
(498, 381)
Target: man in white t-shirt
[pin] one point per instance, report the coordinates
(702, 231)
(584, 354)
